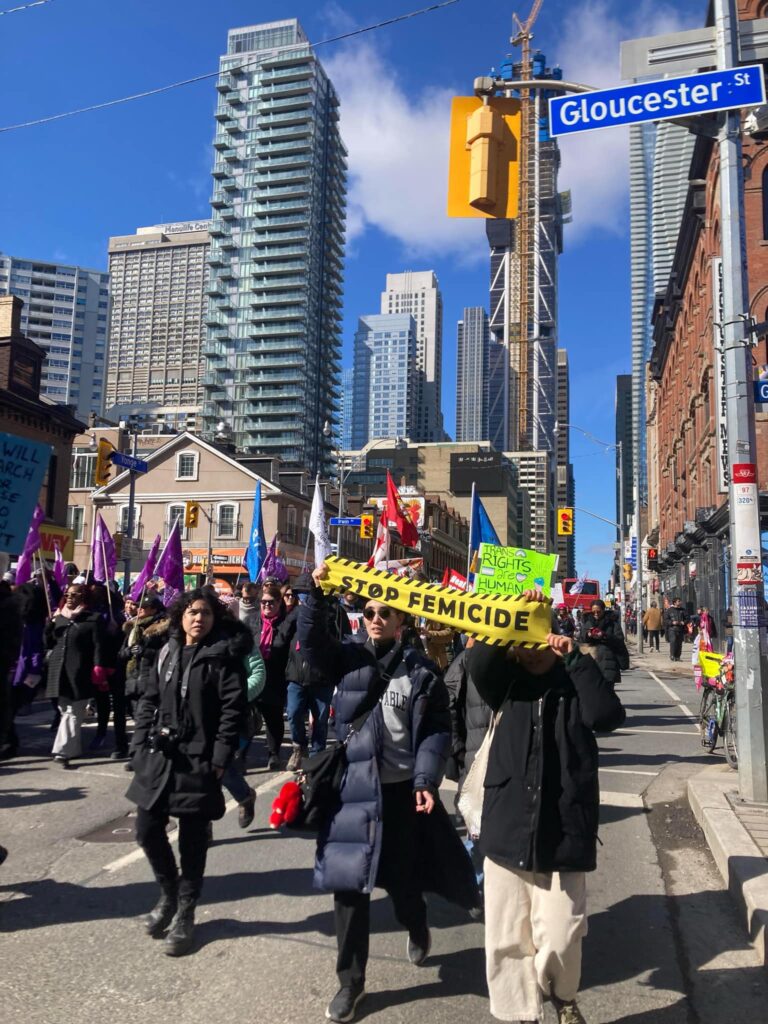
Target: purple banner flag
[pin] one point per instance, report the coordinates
(273, 565)
(31, 545)
(59, 566)
(170, 566)
(104, 556)
(147, 572)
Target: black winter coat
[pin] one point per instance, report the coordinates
(139, 657)
(299, 669)
(208, 724)
(276, 685)
(542, 796)
(470, 715)
(610, 651)
(76, 645)
(349, 845)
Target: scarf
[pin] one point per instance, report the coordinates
(267, 636)
(71, 613)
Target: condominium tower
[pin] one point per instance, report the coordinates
(65, 312)
(565, 486)
(385, 396)
(273, 344)
(480, 391)
(418, 293)
(159, 281)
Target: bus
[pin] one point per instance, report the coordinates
(590, 592)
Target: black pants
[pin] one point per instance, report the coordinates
(274, 726)
(193, 848)
(675, 644)
(653, 638)
(397, 874)
(119, 711)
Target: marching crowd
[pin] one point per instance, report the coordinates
(412, 704)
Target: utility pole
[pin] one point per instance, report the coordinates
(744, 509)
(209, 566)
(128, 535)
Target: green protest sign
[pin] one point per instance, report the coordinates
(513, 570)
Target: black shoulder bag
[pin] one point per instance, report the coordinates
(322, 776)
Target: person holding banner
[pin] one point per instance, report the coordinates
(390, 828)
(539, 819)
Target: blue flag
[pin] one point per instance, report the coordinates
(257, 542)
(481, 529)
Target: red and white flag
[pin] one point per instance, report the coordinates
(381, 543)
(398, 517)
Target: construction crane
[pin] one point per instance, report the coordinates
(528, 127)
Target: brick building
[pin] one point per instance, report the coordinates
(687, 485)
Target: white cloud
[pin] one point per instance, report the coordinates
(398, 157)
(596, 164)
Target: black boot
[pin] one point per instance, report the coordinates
(181, 935)
(161, 915)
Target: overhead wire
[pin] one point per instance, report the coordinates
(26, 7)
(213, 74)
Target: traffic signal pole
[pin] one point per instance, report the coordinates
(128, 535)
(747, 598)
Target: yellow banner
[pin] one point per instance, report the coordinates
(499, 619)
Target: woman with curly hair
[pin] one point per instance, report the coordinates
(187, 730)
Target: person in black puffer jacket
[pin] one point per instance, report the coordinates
(540, 818)
(602, 638)
(143, 638)
(276, 637)
(187, 730)
(390, 828)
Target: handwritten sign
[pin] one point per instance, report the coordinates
(22, 467)
(513, 570)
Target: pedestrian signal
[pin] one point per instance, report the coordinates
(483, 168)
(653, 559)
(366, 527)
(191, 514)
(103, 469)
(565, 522)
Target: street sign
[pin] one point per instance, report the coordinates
(219, 559)
(760, 390)
(669, 98)
(345, 521)
(128, 462)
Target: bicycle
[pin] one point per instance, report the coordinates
(717, 713)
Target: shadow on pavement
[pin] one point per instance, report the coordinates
(11, 798)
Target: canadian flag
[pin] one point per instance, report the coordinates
(381, 543)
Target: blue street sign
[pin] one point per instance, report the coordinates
(761, 390)
(345, 521)
(658, 101)
(128, 462)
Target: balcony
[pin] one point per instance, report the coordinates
(219, 199)
(218, 230)
(216, 259)
(222, 143)
(278, 268)
(225, 82)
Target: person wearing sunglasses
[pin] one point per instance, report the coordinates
(390, 813)
(277, 632)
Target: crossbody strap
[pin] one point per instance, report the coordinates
(373, 698)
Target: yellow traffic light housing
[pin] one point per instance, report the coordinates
(103, 469)
(627, 571)
(191, 514)
(565, 522)
(483, 169)
(366, 527)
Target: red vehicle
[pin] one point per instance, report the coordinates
(590, 592)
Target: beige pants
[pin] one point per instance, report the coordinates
(68, 742)
(534, 924)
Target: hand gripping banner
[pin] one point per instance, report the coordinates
(498, 619)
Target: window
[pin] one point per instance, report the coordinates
(83, 469)
(226, 523)
(122, 519)
(290, 524)
(76, 520)
(186, 465)
(173, 513)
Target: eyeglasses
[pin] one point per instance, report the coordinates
(289, 597)
(371, 613)
(266, 604)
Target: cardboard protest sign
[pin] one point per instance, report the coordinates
(22, 467)
(513, 570)
(496, 619)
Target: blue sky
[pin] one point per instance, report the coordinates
(68, 186)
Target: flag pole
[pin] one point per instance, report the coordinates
(471, 520)
(106, 572)
(45, 581)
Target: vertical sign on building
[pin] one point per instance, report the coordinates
(721, 399)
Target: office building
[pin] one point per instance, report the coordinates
(273, 345)
(345, 408)
(418, 293)
(385, 395)
(534, 475)
(158, 284)
(565, 486)
(65, 313)
(624, 458)
(480, 380)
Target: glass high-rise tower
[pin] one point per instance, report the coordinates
(273, 349)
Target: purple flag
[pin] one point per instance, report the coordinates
(147, 572)
(103, 555)
(31, 545)
(59, 566)
(273, 564)
(170, 566)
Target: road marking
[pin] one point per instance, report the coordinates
(104, 775)
(138, 853)
(674, 696)
(627, 771)
(621, 799)
(693, 731)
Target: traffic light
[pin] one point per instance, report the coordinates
(366, 527)
(483, 168)
(191, 514)
(627, 571)
(565, 522)
(103, 469)
(653, 559)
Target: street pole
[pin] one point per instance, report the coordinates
(622, 553)
(339, 529)
(639, 602)
(744, 516)
(209, 567)
(128, 535)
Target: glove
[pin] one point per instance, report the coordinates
(135, 650)
(100, 678)
(31, 681)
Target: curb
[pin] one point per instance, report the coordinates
(743, 866)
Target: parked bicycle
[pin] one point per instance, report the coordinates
(717, 714)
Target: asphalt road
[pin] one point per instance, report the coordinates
(664, 946)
